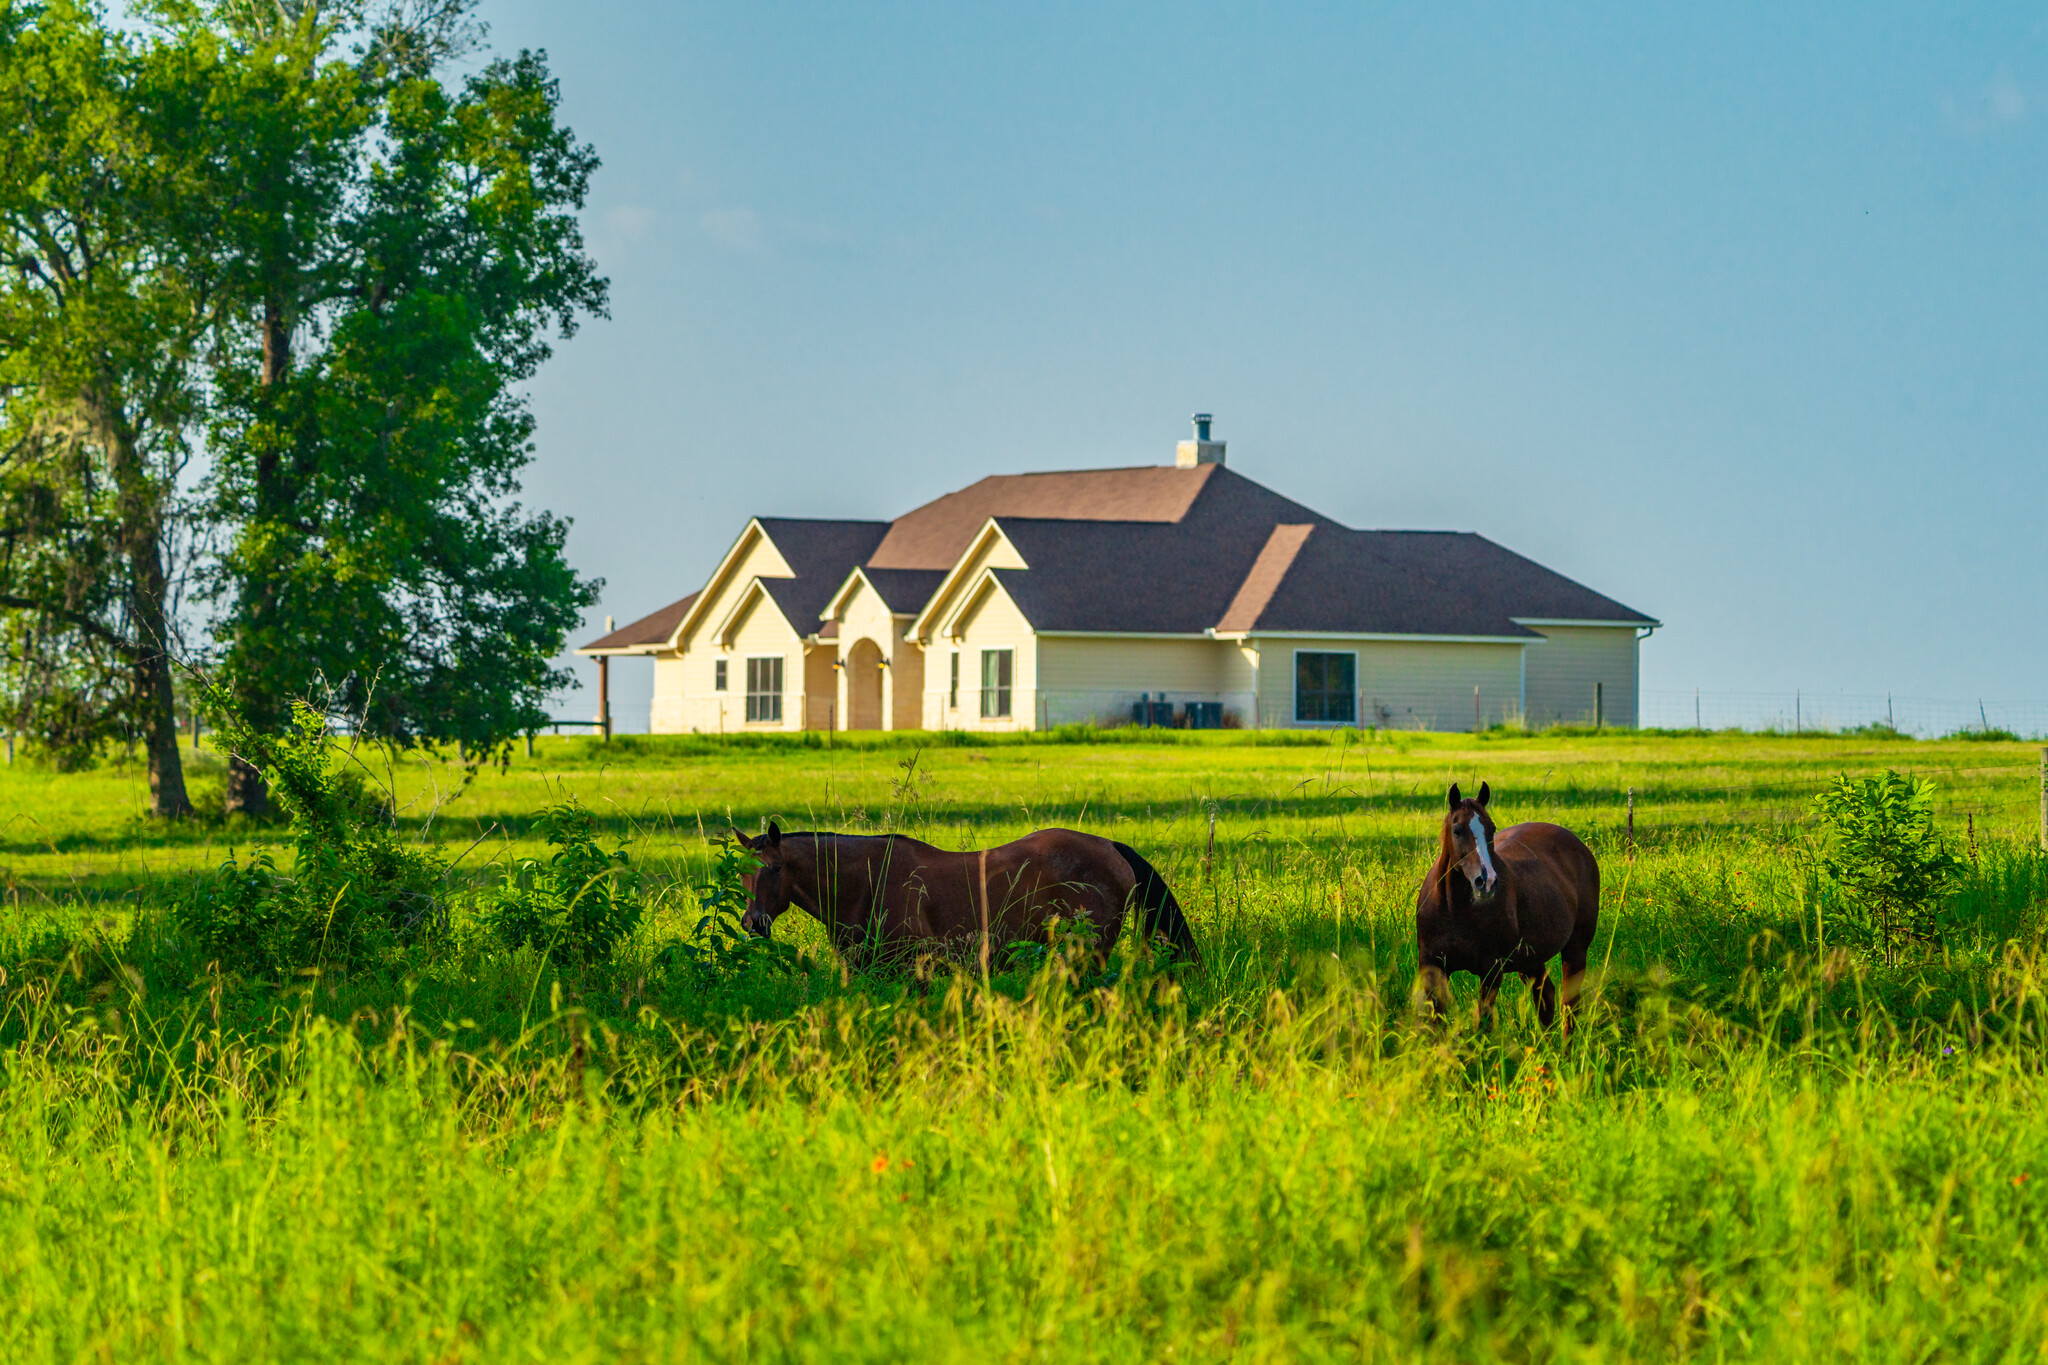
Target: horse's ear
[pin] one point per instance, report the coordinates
(741, 839)
(773, 838)
(1454, 797)
(1485, 795)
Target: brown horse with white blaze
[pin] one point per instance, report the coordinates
(888, 894)
(1500, 901)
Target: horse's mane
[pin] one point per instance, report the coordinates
(789, 834)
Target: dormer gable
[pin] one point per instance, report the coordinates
(990, 549)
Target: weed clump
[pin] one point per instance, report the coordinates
(1884, 855)
(575, 907)
(1985, 734)
(355, 895)
(718, 949)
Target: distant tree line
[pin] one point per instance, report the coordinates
(274, 276)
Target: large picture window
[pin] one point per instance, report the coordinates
(1326, 687)
(764, 689)
(997, 672)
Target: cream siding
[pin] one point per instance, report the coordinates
(992, 621)
(821, 688)
(872, 695)
(1099, 680)
(683, 695)
(1402, 684)
(939, 711)
(1564, 669)
(991, 549)
(760, 632)
(666, 715)
(905, 683)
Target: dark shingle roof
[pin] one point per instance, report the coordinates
(1130, 576)
(649, 631)
(1126, 577)
(935, 535)
(905, 590)
(822, 554)
(1163, 550)
(1339, 582)
(1522, 587)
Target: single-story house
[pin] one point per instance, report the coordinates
(1180, 594)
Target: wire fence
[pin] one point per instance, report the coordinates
(1797, 711)
(1832, 712)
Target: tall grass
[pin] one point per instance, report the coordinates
(1759, 1143)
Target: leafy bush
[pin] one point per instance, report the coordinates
(355, 893)
(1884, 855)
(719, 949)
(1985, 734)
(578, 905)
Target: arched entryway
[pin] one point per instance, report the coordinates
(864, 686)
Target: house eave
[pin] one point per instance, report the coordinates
(1253, 636)
(1123, 634)
(1636, 623)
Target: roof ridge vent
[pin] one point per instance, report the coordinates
(1201, 450)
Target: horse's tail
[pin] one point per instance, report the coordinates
(1158, 912)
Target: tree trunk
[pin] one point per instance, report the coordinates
(247, 792)
(141, 513)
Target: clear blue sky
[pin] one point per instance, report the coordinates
(1736, 315)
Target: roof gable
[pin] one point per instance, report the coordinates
(990, 548)
(799, 561)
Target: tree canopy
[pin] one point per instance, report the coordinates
(281, 238)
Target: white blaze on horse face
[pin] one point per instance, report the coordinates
(1486, 877)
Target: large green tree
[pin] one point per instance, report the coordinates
(396, 273)
(278, 234)
(104, 304)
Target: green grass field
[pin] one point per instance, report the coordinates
(1762, 1143)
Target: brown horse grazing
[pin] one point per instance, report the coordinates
(889, 894)
(1495, 903)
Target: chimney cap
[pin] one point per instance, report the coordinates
(1202, 450)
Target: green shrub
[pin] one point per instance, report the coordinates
(1886, 859)
(1985, 734)
(355, 893)
(718, 948)
(578, 905)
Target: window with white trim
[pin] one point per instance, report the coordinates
(718, 675)
(953, 688)
(998, 669)
(1326, 687)
(764, 689)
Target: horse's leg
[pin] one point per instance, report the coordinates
(1574, 964)
(1545, 995)
(1433, 989)
(1489, 991)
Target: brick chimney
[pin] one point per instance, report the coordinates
(1201, 450)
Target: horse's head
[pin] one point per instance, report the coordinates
(1468, 842)
(768, 885)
